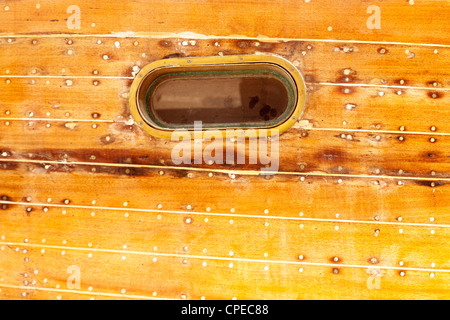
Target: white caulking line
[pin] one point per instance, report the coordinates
(365, 42)
(377, 86)
(382, 131)
(308, 83)
(187, 35)
(61, 120)
(65, 77)
(226, 214)
(187, 256)
(307, 129)
(225, 171)
(83, 292)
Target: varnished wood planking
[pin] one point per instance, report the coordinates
(255, 238)
(23, 292)
(315, 198)
(114, 56)
(52, 96)
(369, 67)
(217, 280)
(12, 266)
(324, 151)
(327, 62)
(365, 109)
(415, 206)
(326, 106)
(401, 22)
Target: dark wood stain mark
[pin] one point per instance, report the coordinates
(345, 90)
(435, 94)
(5, 206)
(8, 165)
(108, 139)
(331, 155)
(431, 184)
(309, 78)
(174, 55)
(243, 44)
(165, 43)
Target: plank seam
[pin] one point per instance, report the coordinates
(91, 293)
(190, 35)
(188, 256)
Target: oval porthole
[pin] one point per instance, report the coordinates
(232, 92)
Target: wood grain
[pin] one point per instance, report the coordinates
(115, 56)
(334, 152)
(318, 242)
(401, 22)
(353, 200)
(364, 174)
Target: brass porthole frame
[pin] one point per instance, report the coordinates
(218, 61)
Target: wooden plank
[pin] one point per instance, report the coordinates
(39, 293)
(425, 21)
(374, 64)
(337, 152)
(314, 198)
(364, 174)
(360, 63)
(13, 268)
(53, 99)
(139, 274)
(256, 238)
(375, 109)
(327, 106)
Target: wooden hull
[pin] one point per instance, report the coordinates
(359, 208)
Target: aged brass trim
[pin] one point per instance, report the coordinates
(147, 80)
